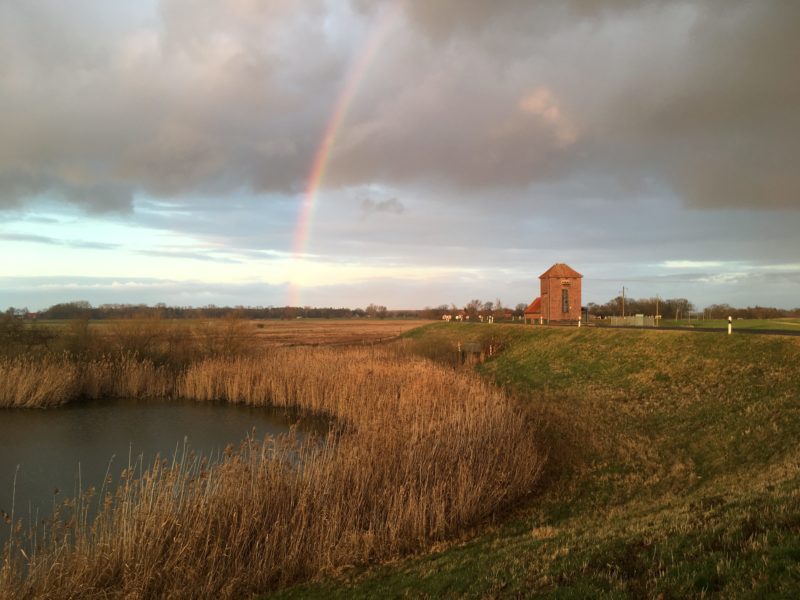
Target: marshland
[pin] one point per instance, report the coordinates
(581, 462)
(417, 453)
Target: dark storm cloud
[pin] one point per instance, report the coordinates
(727, 116)
(700, 96)
(214, 97)
(97, 196)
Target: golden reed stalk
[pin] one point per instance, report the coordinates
(29, 383)
(419, 454)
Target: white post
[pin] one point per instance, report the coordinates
(579, 321)
(730, 325)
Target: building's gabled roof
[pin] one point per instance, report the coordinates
(560, 270)
(534, 307)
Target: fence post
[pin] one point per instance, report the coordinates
(730, 325)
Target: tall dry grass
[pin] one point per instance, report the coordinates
(29, 383)
(125, 376)
(424, 452)
(48, 381)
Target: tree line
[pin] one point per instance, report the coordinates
(680, 308)
(84, 310)
(474, 309)
(668, 308)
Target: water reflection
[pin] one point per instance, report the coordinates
(73, 447)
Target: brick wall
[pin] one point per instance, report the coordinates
(551, 292)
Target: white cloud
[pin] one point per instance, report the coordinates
(691, 264)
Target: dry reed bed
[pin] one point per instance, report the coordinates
(428, 452)
(26, 383)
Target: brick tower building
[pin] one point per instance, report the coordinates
(560, 299)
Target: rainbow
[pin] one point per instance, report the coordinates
(355, 76)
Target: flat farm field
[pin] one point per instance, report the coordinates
(300, 332)
(263, 332)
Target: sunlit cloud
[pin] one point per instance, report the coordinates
(543, 104)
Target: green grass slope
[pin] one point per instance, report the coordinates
(784, 323)
(674, 471)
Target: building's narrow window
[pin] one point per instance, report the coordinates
(564, 300)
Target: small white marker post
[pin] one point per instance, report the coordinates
(579, 321)
(730, 325)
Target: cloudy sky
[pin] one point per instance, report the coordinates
(342, 152)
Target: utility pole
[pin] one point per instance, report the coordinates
(623, 301)
(657, 317)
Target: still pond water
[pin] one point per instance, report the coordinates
(49, 449)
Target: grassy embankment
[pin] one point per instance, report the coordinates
(420, 454)
(674, 471)
(786, 323)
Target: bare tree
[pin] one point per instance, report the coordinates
(473, 308)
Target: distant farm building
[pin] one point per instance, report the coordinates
(560, 296)
(534, 311)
